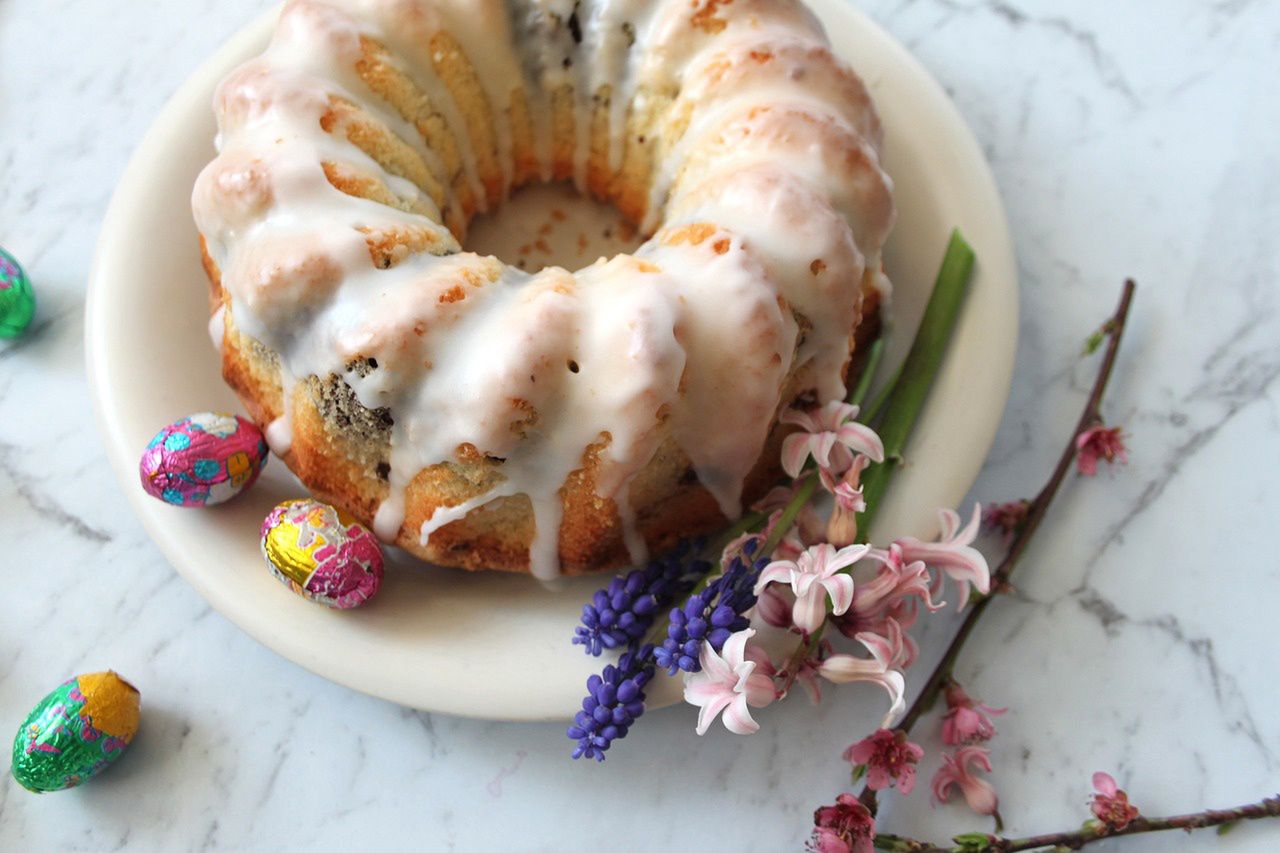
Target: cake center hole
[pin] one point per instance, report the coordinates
(545, 225)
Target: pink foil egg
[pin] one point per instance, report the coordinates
(322, 554)
(203, 459)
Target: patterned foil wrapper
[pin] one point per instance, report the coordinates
(322, 554)
(17, 299)
(76, 732)
(203, 459)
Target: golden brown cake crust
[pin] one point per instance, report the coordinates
(390, 144)
(670, 503)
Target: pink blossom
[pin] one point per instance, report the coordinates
(773, 605)
(883, 668)
(830, 435)
(893, 595)
(1099, 442)
(952, 554)
(889, 758)
(967, 721)
(807, 529)
(790, 546)
(842, 527)
(1007, 518)
(959, 770)
(806, 674)
(815, 576)
(846, 827)
(1110, 804)
(729, 682)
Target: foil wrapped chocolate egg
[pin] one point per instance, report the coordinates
(203, 459)
(17, 299)
(322, 554)
(76, 732)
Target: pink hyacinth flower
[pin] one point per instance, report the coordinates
(952, 554)
(773, 606)
(729, 683)
(967, 721)
(1110, 804)
(890, 759)
(959, 770)
(883, 667)
(1099, 442)
(842, 527)
(829, 434)
(846, 827)
(813, 576)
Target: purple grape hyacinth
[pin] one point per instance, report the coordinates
(615, 700)
(620, 614)
(713, 614)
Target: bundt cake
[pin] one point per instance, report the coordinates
(482, 416)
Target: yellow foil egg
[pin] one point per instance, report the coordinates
(322, 554)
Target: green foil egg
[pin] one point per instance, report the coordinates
(17, 299)
(76, 732)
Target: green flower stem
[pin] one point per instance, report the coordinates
(874, 355)
(911, 387)
(876, 407)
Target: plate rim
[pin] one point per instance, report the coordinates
(998, 261)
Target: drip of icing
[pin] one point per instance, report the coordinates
(389, 516)
(690, 344)
(279, 434)
(637, 548)
(217, 329)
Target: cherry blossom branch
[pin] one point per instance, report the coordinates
(1113, 329)
(1035, 515)
(1092, 832)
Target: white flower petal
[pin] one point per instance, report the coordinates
(734, 650)
(715, 667)
(840, 588)
(795, 450)
(845, 557)
(779, 571)
(810, 609)
(948, 524)
(863, 439)
(737, 718)
(708, 713)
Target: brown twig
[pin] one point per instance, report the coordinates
(1114, 329)
(1090, 833)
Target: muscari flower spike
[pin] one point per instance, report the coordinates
(615, 700)
(620, 614)
(713, 614)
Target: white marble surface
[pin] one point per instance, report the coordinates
(1129, 139)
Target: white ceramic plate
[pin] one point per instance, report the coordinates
(492, 645)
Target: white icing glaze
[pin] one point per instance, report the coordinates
(217, 322)
(766, 186)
